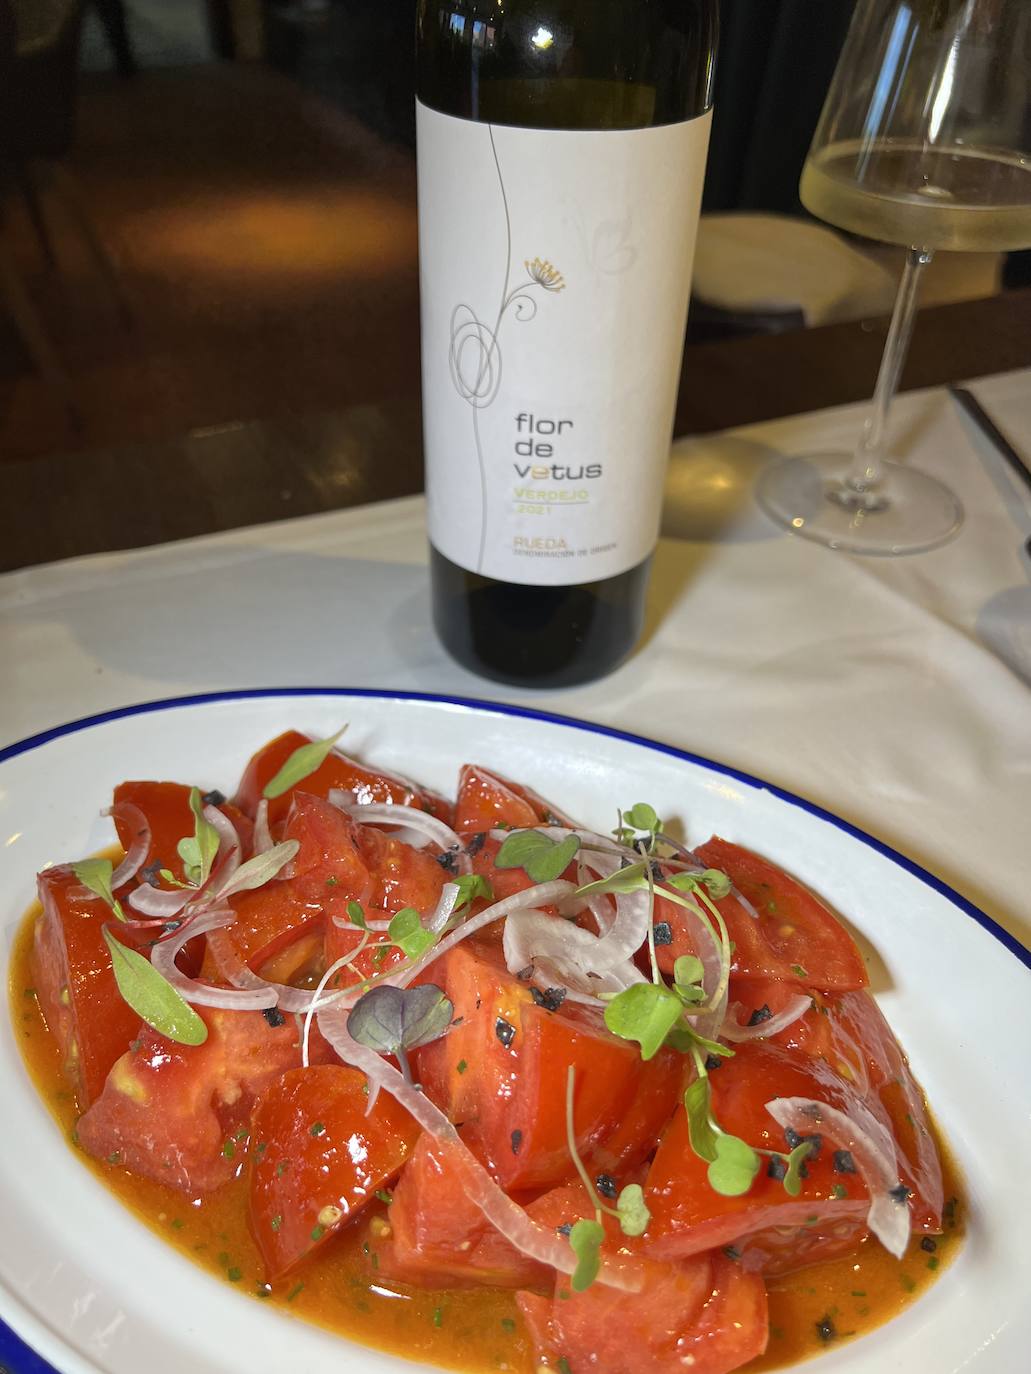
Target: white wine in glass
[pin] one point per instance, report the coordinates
(924, 142)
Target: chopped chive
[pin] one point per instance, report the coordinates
(276, 1222)
(317, 1232)
(297, 1288)
(932, 1263)
(234, 1275)
(461, 1066)
(507, 1324)
(438, 1316)
(385, 1195)
(317, 1128)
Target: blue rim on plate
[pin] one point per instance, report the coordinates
(18, 1358)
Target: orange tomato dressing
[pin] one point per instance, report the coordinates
(475, 1330)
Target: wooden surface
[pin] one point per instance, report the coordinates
(252, 472)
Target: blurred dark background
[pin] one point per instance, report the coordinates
(208, 208)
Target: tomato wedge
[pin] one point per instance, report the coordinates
(75, 983)
(328, 871)
(166, 806)
(863, 1039)
(689, 1216)
(486, 800)
(439, 1238)
(337, 770)
(503, 1070)
(706, 1315)
(796, 938)
(317, 1158)
(178, 1113)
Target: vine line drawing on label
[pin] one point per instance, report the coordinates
(475, 354)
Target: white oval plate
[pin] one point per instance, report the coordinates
(91, 1289)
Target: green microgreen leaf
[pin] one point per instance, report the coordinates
(198, 850)
(300, 765)
(152, 997)
(586, 1238)
(733, 1170)
(793, 1178)
(717, 882)
(96, 875)
(409, 934)
(356, 915)
(634, 1215)
(702, 1132)
(470, 887)
(687, 969)
(688, 973)
(645, 1012)
(261, 869)
(391, 1020)
(539, 856)
(643, 817)
(171, 879)
(630, 879)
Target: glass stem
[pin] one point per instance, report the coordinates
(867, 468)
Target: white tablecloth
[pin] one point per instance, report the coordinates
(894, 692)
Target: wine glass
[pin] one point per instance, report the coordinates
(924, 141)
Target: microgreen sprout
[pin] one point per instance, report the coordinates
(540, 857)
(471, 886)
(733, 1163)
(198, 850)
(300, 765)
(152, 997)
(95, 874)
(639, 827)
(395, 1020)
(586, 1236)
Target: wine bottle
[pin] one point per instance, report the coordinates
(561, 152)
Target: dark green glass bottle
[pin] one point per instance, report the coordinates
(561, 152)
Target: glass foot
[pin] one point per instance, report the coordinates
(908, 511)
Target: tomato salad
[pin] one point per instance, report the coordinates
(630, 1082)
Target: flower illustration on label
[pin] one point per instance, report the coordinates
(545, 274)
(474, 358)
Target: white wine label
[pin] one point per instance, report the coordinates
(555, 267)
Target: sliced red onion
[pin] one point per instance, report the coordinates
(164, 902)
(262, 840)
(409, 818)
(133, 817)
(715, 957)
(735, 1032)
(318, 1001)
(211, 923)
(442, 912)
(506, 1216)
(280, 995)
(543, 894)
(560, 952)
(872, 1149)
(345, 923)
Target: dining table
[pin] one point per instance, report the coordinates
(291, 552)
